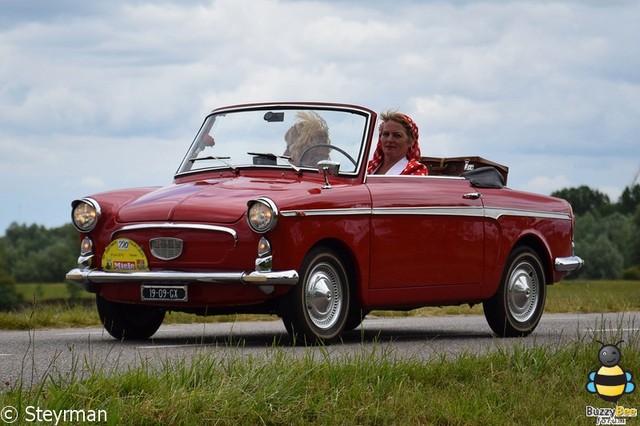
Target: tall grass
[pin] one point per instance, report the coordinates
(521, 385)
(510, 385)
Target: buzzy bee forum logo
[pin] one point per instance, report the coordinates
(610, 382)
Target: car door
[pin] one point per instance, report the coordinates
(425, 231)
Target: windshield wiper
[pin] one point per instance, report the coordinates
(274, 157)
(211, 157)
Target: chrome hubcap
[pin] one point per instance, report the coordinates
(523, 292)
(323, 296)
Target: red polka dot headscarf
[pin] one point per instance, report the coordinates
(414, 167)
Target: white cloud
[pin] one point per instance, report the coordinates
(546, 184)
(90, 183)
(110, 94)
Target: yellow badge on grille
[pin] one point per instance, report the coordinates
(124, 255)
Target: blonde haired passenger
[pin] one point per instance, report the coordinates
(310, 130)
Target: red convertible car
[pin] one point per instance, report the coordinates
(265, 217)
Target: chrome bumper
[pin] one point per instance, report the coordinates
(87, 276)
(568, 264)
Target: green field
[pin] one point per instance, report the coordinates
(525, 386)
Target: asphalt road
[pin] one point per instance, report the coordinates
(34, 355)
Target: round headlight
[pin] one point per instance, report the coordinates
(85, 214)
(262, 215)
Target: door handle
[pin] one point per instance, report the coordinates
(472, 196)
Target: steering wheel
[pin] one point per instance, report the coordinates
(326, 145)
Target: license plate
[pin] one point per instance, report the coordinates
(174, 293)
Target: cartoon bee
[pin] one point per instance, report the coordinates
(610, 382)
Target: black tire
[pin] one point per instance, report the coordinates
(355, 318)
(516, 308)
(129, 322)
(317, 308)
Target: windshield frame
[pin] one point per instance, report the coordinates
(369, 118)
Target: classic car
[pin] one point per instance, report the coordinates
(262, 217)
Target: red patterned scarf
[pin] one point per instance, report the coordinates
(414, 167)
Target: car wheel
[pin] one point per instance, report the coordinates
(316, 309)
(517, 306)
(129, 322)
(355, 318)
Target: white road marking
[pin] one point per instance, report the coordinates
(81, 333)
(169, 346)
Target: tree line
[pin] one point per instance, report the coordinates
(607, 236)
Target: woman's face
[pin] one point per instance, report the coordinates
(395, 141)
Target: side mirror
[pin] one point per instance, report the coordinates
(328, 167)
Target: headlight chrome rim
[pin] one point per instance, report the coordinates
(262, 215)
(85, 214)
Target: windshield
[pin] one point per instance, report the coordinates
(284, 137)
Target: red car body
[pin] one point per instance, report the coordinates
(319, 244)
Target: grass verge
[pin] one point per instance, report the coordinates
(519, 385)
(525, 386)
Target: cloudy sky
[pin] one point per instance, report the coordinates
(98, 95)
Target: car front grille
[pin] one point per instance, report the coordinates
(166, 248)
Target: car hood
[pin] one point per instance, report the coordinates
(218, 200)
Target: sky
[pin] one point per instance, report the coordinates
(100, 95)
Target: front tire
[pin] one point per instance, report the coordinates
(517, 306)
(129, 322)
(316, 309)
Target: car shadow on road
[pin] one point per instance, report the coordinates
(261, 339)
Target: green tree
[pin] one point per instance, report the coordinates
(50, 264)
(584, 200)
(9, 296)
(605, 231)
(629, 200)
(4, 264)
(605, 243)
(602, 259)
(619, 230)
(634, 255)
(37, 254)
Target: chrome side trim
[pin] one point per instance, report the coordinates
(171, 225)
(327, 212)
(496, 213)
(374, 177)
(430, 211)
(568, 264)
(94, 276)
(474, 211)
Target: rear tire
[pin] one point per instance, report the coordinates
(517, 306)
(316, 309)
(129, 322)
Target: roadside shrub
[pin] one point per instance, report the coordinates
(75, 291)
(632, 273)
(9, 296)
